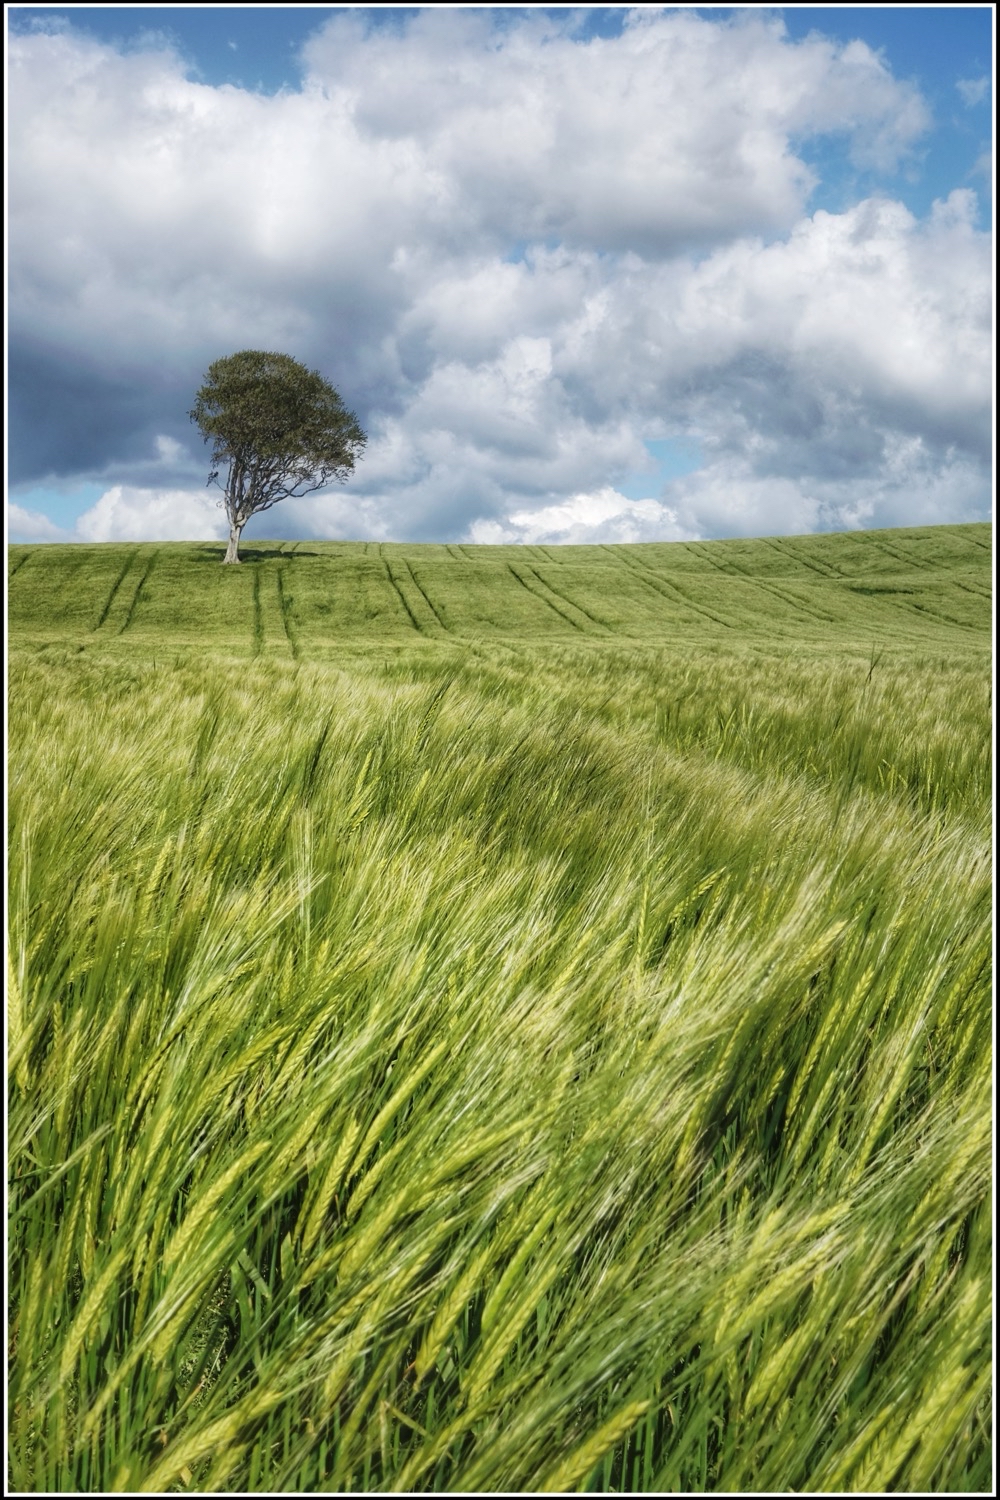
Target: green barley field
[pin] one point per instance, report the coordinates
(501, 1018)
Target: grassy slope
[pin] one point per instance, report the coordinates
(307, 598)
(492, 1017)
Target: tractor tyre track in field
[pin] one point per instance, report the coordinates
(935, 614)
(257, 647)
(910, 562)
(637, 571)
(968, 588)
(894, 602)
(733, 570)
(811, 613)
(18, 566)
(150, 565)
(811, 610)
(536, 595)
(699, 608)
(730, 569)
(615, 557)
(825, 570)
(285, 605)
(602, 624)
(661, 585)
(114, 590)
(900, 557)
(402, 598)
(425, 597)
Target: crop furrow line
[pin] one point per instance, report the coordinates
(890, 551)
(936, 614)
(624, 561)
(402, 598)
(661, 586)
(536, 595)
(18, 566)
(923, 609)
(114, 590)
(139, 588)
(258, 618)
(633, 566)
(286, 618)
(571, 602)
(638, 571)
(824, 571)
(729, 569)
(732, 570)
(796, 604)
(700, 608)
(425, 597)
(968, 588)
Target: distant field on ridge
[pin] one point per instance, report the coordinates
(299, 599)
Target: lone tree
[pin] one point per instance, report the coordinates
(282, 430)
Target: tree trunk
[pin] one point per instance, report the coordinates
(233, 550)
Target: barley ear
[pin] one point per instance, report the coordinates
(17, 1056)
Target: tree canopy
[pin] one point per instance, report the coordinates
(280, 429)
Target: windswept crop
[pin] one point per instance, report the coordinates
(446, 1059)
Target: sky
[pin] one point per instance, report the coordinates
(584, 274)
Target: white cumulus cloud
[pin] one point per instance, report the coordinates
(125, 513)
(25, 525)
(605, 516)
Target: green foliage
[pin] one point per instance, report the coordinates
(281, 429)
(442, 1060)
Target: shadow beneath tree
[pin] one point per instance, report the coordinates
(214, 553)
